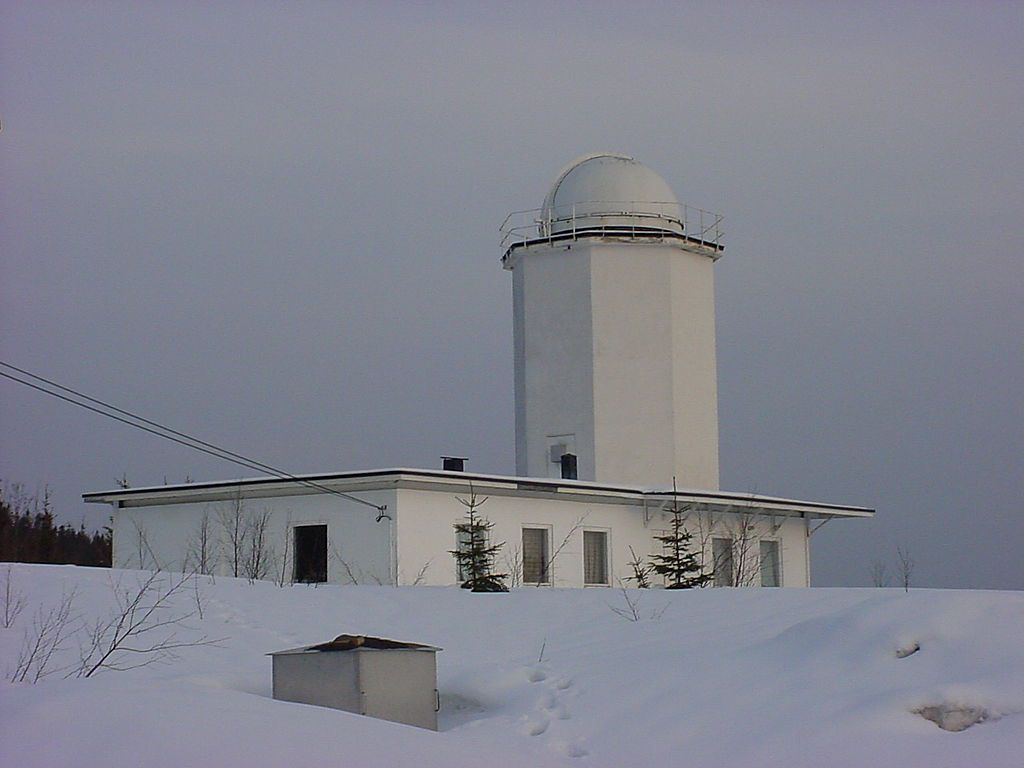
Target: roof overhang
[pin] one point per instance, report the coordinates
(459, 482)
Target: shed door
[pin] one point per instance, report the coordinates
(311, 553)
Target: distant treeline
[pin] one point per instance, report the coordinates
(28, 533)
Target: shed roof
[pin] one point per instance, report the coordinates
(357, 643)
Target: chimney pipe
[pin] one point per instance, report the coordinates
(453, 463)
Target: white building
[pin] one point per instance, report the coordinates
(615, 400)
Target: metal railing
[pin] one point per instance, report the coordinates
(618, 219)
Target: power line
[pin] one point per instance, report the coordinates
(160, 430)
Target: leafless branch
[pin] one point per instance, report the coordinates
(258, 554)
(142, 615)
(421, 576)
(49, 630)
(202, 555)
(232, 519)
(879, 574)
(514, 565)
(548, 571)
(14, 602)
(284, 571)
(197, 595)
(336, 554)
(631, 611)
(143, 549)
(906, 565)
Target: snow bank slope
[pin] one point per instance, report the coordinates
(544, 677)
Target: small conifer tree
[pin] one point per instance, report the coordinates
(474, 556)
(679, 566)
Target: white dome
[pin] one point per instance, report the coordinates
(609, 190)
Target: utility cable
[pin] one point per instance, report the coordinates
(182, 438)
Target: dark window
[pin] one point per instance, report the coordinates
(569, 471)
(311, 553)
(721, 550)
(535, 556)
(769, 563)
(595, 557)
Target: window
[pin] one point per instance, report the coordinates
(536, 554)
(770, 564)
(721, 551)
(311, 553)
(595, 557)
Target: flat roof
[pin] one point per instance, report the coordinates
(427, 479)
(357, 643)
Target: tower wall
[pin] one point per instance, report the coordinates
(554, 364)
(615, 351)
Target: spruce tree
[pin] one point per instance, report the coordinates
(474, 557)
(679, 566)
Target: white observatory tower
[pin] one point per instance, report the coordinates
(614, 324)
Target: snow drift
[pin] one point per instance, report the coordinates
(538, 677)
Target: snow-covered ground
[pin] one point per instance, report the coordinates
(539, 677)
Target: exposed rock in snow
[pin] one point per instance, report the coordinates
(954, 717)
(907, 650)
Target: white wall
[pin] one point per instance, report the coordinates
(554, 391)
(422, 521)
(615, 344)
(426, 535)
(353, 536)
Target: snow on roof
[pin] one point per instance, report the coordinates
(356, 642)
(440, 476)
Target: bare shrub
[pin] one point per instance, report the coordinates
(49, 631)
(144, 556)
(201, 555)
(258, 553)
(879, 574)
(142, 630)
(14, 602)
(421, 575)
(906, 565)
(232, 519)
(284, 563)
(514, 565)
(631, 610)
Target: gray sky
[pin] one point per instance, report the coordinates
(275, 226)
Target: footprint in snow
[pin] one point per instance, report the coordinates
(537, 726)
(573, 749)
(537, 675)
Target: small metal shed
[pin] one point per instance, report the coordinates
(372, 676)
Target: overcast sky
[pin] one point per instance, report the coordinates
(275, 226)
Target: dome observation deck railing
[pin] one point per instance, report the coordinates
(628, 219)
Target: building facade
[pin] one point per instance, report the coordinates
(396, 527)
